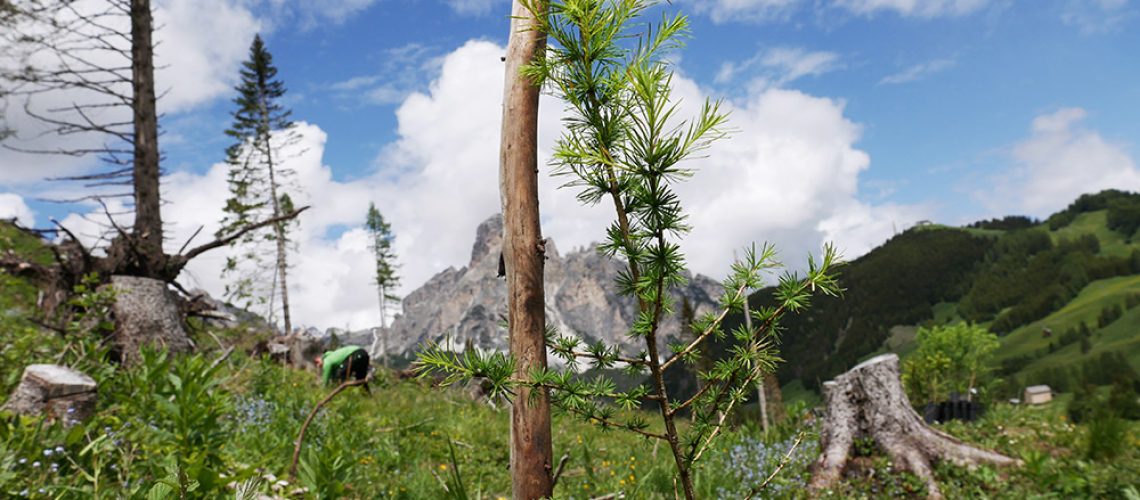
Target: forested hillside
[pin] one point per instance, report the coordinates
(1018, 277)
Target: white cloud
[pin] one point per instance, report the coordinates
(790, 176)
(918, 72)
(858, 228)
(722, 11)
(1097, 16)
(327, 284)
(474, 7)
(12, 206)
(314, 14)
(925, 9)
(201, 44)
(1059, 161)
(778, 66)
(404, 70)
(745, 10)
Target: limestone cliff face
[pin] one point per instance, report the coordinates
(469, 304)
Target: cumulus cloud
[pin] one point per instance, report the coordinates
(329, 284)
(918, 72)
(12, 206)
(925, 9)
(1060, 160)
(789, 175)
(791, 167)
(201, 45)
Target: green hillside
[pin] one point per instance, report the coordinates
(1015, 275)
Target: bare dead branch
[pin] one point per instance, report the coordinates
(309, 420)
(233, 237)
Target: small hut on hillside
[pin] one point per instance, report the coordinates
(1038, 394)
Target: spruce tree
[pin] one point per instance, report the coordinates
(386, 278)
(259, 183)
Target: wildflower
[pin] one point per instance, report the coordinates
(22, 461)
(59, 449)
(48, 452)
(54, 467)
(24, 492)
(442, 466)
(36, 464)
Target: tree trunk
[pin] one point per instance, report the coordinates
(147, 231)
(279, 227)
(524, 252)
(146, 314)
(868, 402)
(761, 399)
(774, 398)
(383, 325)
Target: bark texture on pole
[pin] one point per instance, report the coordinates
(524, 253)
(147, 232)
(868, 401)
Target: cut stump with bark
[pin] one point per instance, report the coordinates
(57, 392)
(869, 402)
(146, 313)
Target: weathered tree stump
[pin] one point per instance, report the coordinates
(869, 402)
(57, 392)
(146, 313)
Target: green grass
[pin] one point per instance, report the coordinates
(1112, 243)
(24, 244)
(1086, 307)
(18, 295)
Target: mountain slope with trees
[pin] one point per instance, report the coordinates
(1012, 275)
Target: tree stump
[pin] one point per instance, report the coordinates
(57, 392)
(146, 313)
(869, 402)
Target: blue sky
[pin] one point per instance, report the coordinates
(855, 119)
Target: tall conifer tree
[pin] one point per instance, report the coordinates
(258, 182)
(386, 277)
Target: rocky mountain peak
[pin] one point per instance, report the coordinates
(488, 239)
(466, 305)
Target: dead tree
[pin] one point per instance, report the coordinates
(869, 402)
(102, 64)
(523, 253)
